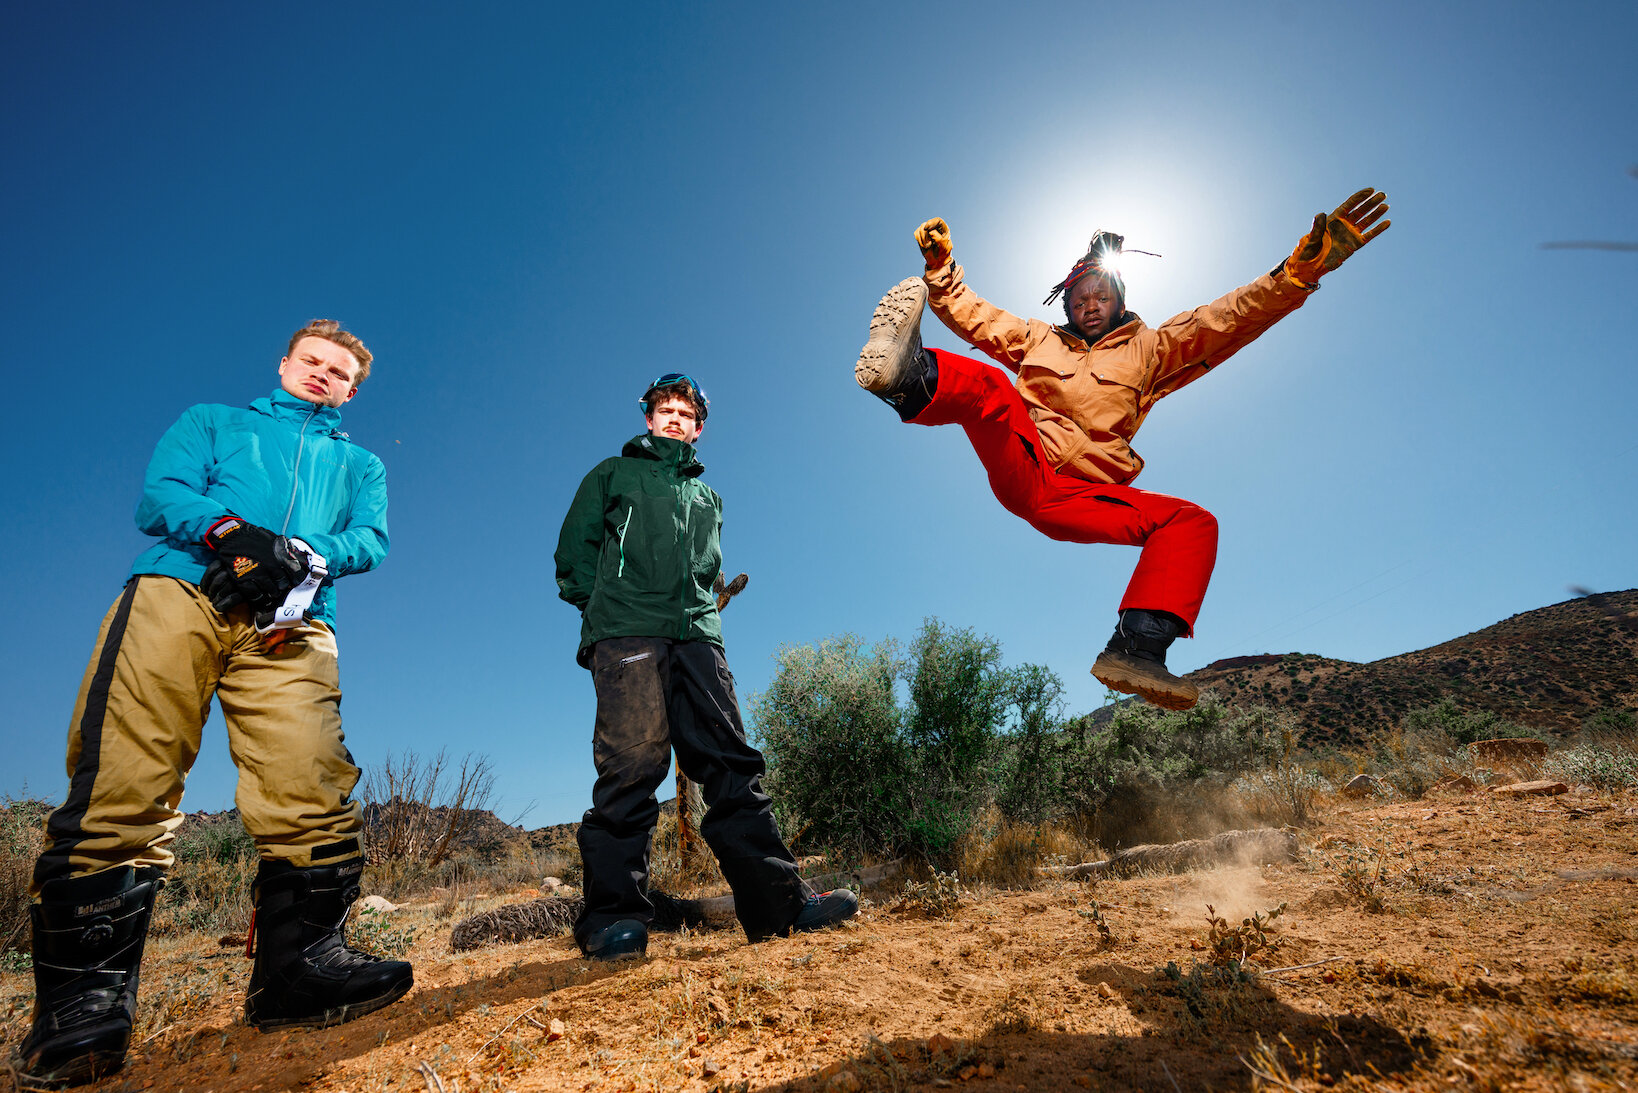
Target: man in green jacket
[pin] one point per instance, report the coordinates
(639, 551)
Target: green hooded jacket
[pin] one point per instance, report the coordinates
(641, 545)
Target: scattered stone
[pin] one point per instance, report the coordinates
(555, 1030)
(379, 904)
(940, 1044)
(711, 1068)
(1456, 783)
(967, 1073)
(701, 1037)
(844, 1081)
(986, 1070)
(1542, 788)
(1105, 990)
(1361, 785)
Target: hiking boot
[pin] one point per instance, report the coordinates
(826, 909)
(1134, 661)
(304, 973)
(893, 366)
(88, 935)
(622, 938)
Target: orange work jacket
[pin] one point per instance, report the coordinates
(1088, 401)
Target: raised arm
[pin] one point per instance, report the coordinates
(1000, 334)
(1189, 345)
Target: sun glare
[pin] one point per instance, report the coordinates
(1049, 217)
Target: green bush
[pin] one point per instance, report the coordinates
(854, 770)
(1596, 765)
(1151, 775)
(22, 833)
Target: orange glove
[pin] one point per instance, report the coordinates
(933, 238)
(1333, 238)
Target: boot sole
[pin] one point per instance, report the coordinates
(1131, 679)
(88, 1068)
(893, 327)
(331, 1018)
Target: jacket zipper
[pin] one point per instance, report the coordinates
(687, 570)
(621, 572)
(295, 475)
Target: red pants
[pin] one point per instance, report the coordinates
(1179, 538)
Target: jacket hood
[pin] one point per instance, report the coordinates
(663, 449)
(281, 405)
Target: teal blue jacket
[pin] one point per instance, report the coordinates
(641, 545)
(283, 463)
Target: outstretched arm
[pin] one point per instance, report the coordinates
(976, 321)
(1187, 346)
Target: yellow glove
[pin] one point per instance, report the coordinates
(1333, 238)
(933, 238)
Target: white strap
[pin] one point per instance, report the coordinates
(293, 611)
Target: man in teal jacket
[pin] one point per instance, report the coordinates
(254, 510)
(638, 553)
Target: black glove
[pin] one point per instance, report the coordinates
(253, 566)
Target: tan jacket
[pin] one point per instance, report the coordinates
(1087, 402)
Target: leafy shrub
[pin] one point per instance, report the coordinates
(22, 832)
(854, 770)
(1596, 765)
(1151, 775)
(218, 838)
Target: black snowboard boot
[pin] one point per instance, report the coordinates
(1134, 661)
(88, 935)
(893, 366)
(304, 973)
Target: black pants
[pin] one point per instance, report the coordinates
(653, 695)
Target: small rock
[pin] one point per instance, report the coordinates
(1542, 788)
(1105, 990)
(986, 1070)
(967, 1073)
(379, 904)
(1361, 785)
(555, 1030)
(939, 1044)
(844, 1081)
(711, 1068)
(701, 1037)
(1456, 783)
(549, 883)
(693, 1053)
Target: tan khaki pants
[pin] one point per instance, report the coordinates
(163, 651)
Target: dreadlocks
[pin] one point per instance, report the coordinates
(1101, 257)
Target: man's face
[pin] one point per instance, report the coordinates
(676, 418)
(1093, 305)
(319, 371)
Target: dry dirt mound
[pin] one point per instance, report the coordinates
(1470, 942)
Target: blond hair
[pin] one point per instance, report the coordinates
(331, 331)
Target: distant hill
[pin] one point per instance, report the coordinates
(1547, 668)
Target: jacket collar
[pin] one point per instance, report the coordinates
(1129, 324)
(663, 449)
(281, 405)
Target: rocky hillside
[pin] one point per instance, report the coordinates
(1547, 669)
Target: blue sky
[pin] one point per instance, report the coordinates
(529, 210)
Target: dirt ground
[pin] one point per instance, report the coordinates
(1463, 942)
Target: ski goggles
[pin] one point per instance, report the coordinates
(671, 379)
